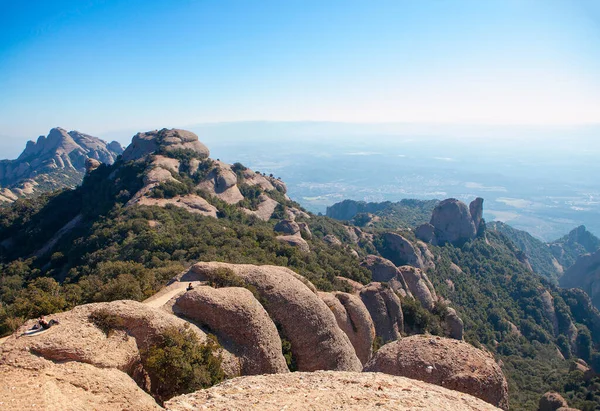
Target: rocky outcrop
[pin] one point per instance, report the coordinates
(454, 324)
(53, 162)
(91, 164)
(191, 202)
(452, 222)
(305, 320)
(445, 362)
(385, 309)
(419, 286)
(354, 319)
(549, 311)
(295, 241)
(476, 210)
(552, 401)
(152, 142)
(321, 391)
(332, 240)
(287, 227)
(401, 251)
(382, 269)
(235, 316)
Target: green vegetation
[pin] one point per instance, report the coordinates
(419, 320)
(116, 252)
(106, 321)
(388, 215)
(179, 363)
(578, 242)
(538, 253)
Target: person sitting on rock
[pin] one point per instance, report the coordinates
(189, 287)
(45, 324)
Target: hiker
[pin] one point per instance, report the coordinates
(45, 324)
(189, 287)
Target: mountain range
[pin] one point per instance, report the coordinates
(425, 290)
(55, 161)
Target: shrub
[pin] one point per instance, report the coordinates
(181, 364)
(106, 321)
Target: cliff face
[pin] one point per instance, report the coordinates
(585, 274)
(54, 161)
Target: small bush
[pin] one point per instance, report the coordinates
(181, 364)
(106, 321)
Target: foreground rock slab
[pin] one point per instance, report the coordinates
(326, 390)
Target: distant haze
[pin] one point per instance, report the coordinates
(98, 66)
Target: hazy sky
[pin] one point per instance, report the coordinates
(108, 65)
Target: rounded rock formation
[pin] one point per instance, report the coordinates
(382, 269)
(234, 315)
(452, 222)
(305, 320)
(354, 319)
(385, 309)
(419, 285)
(401, 251)
(287, 227)
(446, 362)
(552, 401)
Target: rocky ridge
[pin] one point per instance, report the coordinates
(327, 331)
(54, 161)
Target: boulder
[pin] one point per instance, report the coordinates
(91, 164)
(305, 230)
(419, 286)
(425, 232)
(452, 222)
(446, 362)
(385, 309)
(382, 270)
(287, 227)
(552, 401)
(294, 241)
(354, 319)
(401, 251)
(234, 315)
(305, 320)
(454, 324)
(319, 391)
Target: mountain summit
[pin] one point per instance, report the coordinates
(54, 161)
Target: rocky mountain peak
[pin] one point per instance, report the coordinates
(153, 142)
(54, 161)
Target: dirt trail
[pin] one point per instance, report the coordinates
(162, 297)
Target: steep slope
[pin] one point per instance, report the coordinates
(538, 253)
(577, 243)
(52, 162)
(585, 274)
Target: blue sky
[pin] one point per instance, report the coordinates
(99, 66)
